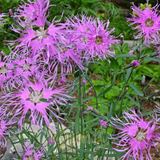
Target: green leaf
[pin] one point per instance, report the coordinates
(110, 87)
(125, 56)
(136, 90)
(77, 121)
(132, 100)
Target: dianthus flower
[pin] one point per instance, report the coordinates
(92, 36)
(137, 136)
(103, 123)
(135, 63)
(1, 18)
(30, 152)
(6, 74)
(40, 41)
(25, 69)
(34, 13)
(147, 23)
(67, 58)
(36, 101)
(5, 125)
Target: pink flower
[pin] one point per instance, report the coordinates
(89, 108)
(62, 81)
(103, 123)
(131, 52)
(156, 91)
(135, 63)
(10, 12)
(147, 21)
(66, 59)
(5, 125)
(2, 21)
(137, 136)
(51, 141)
(30, 152)
(25, 69)
(34, 13)
(84, 81)
(40, 41)
(92, 36)
(6, 74)
(40, 101)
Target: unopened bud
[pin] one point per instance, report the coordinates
(10, 12)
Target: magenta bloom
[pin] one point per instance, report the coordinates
(6, 74)
(10, 12)
(103, 123)
(34, 13)
(51, 141)
(84, 81)
(92, 36)
(37, 101)
(135, 63)
(25, 69)
(136, 136)
(131, 52)
(66, 58)
(30, 152)
(89, 108)
(147, 23)
(5, 125)
(40, 41)
(1, 18)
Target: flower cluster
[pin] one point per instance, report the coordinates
(5, 125)
(137, 136)
(146, 22)
(60, 45)
(45, 53)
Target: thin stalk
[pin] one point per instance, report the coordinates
(79, 99)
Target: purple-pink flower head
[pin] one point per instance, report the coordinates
(136, 136)
(39, 101)
(67, 58)
(135, 63)
(31, 152)
(131, 52)
(6, 74)
(90, 108)
(34, 13)
(1, 18)
(40, 41)
(93, 36)
(103, 123)
(5, 125)
(147, 23)
(51, 141)
(25, 69)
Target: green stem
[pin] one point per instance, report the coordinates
(79, 99)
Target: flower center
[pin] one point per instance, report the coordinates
(98, 40)
(141, 135)
(41, 33)
(84, 39)
(26, 67)
(3, 70)
(30, 157)
(63, 49)
(149, 22)
(35, 97)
